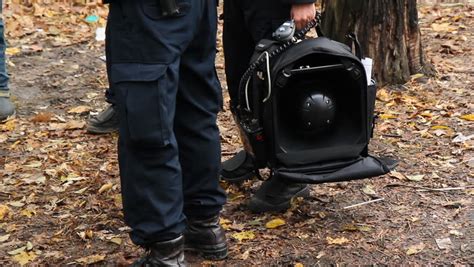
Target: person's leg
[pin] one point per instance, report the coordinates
(253, 21)
(6, 106)
(198, 102)
(145, 56)
(246, 22)
(238, 49)
(107, 121)
(148, 156)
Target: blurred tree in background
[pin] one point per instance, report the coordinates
(388, 31)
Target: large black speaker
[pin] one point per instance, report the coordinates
(309, 113)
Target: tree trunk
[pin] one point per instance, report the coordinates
(387, 30)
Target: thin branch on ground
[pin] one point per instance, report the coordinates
(424, 189)
(363, 203)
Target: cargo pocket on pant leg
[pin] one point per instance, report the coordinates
(146, 114)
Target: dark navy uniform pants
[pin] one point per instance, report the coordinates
(245, 23)
(166, 89)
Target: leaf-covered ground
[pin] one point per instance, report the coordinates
(59, 188)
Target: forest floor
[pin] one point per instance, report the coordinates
(59, 186)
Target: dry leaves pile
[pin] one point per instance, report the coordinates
(33, 27)
(60, 199)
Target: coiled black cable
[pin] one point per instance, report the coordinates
(259, 62)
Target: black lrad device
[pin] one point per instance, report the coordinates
(307, 111)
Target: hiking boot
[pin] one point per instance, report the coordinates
(276, 195)
(166, 253)
(107, 121)
(239, 168)
(6, 106)
(206, 237)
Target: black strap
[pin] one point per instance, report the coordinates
(358, 50)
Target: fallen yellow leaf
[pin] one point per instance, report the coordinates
(275, 223)
(91, 259)
(337, 241)
(417, 76)
(426, 114)
(387, 116)
(468, 117)
(383, 95)
(11, 51)
(117, 200)
(298, 264)
(28, 213)
(80, 109)
(246, 235)
(349, 227)
(75, 125)
(440, 127)
(24, 257)
(116, 240)
(3, 138)
(89, 234)
(225, 223)
(415, 249)
(354, 228)
(9, 125)
(234, 197)
(442, 27)
(106, 187)
(4, 212)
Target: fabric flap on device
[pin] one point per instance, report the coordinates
(363, 167)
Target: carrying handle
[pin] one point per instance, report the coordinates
(358, 50)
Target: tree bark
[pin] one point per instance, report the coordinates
(387, 30)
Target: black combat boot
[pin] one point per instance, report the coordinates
(206, 237)
(107, 121)
(276, 195)
(160, 254)
(239, 168)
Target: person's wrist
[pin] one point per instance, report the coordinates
(302, 14)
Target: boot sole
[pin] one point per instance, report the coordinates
(214, 253)
(240, 179)
(95, 130)
(259, 206)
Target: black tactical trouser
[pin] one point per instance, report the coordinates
(167, 93)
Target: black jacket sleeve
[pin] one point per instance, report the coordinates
(291, 2)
